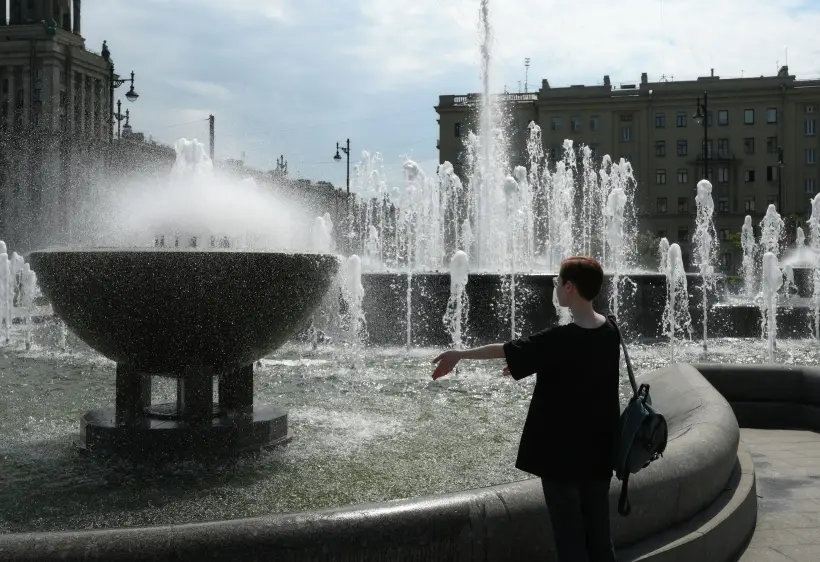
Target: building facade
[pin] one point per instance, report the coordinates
(55, 118)
(762, 143)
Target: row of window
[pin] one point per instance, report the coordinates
(749, 176)
(661, 207)
(809, 129)
(681, 119)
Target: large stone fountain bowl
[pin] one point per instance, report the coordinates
(160, 311)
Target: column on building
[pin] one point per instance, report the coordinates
(77, 17)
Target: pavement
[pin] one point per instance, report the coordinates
(787, 466)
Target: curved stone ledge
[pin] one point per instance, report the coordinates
(769, 396)
(499, 523)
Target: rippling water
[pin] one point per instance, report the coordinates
(375, 431)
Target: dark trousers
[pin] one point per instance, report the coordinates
(579, 512)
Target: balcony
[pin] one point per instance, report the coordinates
(467, 100)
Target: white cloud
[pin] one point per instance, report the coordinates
(207, 90)
(279, 10)
(571, 42)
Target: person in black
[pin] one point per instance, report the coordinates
(568, 438)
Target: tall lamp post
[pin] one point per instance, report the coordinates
(702, 116)
(113, 84)
(337, 157)
(780, 166)
(119, 116)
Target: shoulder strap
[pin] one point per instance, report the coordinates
(626, 356)
(624, 507)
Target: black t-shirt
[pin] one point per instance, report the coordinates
(571, 425)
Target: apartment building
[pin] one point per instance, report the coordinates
(761, 143)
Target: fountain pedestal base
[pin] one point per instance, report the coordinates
(192, 427)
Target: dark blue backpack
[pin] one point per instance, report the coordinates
(642, 434)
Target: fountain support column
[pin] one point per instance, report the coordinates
(133, 395)
(236, 390)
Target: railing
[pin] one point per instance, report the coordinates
(471, 99)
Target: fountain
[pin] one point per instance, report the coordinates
(749, 245)
(677, 319)
(772, 281)
(458, 304)
(189, 314)
(705, 247)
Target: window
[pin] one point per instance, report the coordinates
(771, 173)
(723, 117)
(556, 123)
(680, 119)
(457, 129)
(594, 149)
(683, 234)
(626, 133)
(723, 174)
(810, 185)
(726, 261)
(708, 148)
(771, 115)
(576, 124)
(62, 77)
(38, 94)
(809, 109)
(810, 127)
(660, 148)
(710, 173)
(660, 176)
(63, 98)
(626, 117)
(723, 205)
(749, 175)
(749, 116)
(723, 234)
(723, 148)
(683, 204)
(749, 145)
(683, 175)
(660, 120)
(661, 232)
(594, 123)
(749, 205)
(771, 145)
(661, 204)
(811, 156)
(683, 148)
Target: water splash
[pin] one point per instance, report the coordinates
(614, 213)
(771, 232)
(663, 255)
(354, 295)
(676, 318)
(705, 247)
(814, 232)
(28, 291)
(455, 318)
(772, 281)
(749, 245)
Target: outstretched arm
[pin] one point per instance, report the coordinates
(448, 360)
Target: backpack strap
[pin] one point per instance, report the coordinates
(624, 507)
(626, 356)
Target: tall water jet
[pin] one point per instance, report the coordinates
(354, 296)
(800, 239)
(663, 255)
(28, 288)
(704, 240)
(615, 207)
(771, 232)
(511, 193)
(814, 232)
(676, 315)
(455, 318)
(749, 245)
(772, 281)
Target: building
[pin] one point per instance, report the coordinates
(748, 122)
(55, 118)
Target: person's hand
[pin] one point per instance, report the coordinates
(447, 361)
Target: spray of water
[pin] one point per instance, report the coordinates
(676, 318)
(749, 245)
(772, 281)
(814, 233)
(705, 247)
(455, 318)
(663, 255)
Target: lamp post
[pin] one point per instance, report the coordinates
(119, 116)
(337, 157)
(702, 116)
(780, 166)
(113, 84)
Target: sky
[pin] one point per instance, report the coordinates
(293, 77)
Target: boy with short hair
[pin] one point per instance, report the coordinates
(577, 370)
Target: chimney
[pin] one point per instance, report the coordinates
(713, 73)
(783, 72)
(78, 17)
(644, 78)
(607, 82)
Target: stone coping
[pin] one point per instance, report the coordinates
(769, 396)
(498, 523)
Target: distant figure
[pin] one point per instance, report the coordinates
(568, 438)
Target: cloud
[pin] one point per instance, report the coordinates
(293, 78)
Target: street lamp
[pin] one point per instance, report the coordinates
(113, 83)
(702, 116)
(119, 116)
(780, 166)
(337, 157)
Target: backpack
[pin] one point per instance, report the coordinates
(642, 434)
